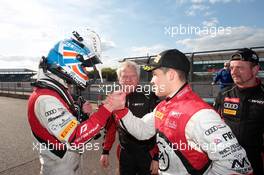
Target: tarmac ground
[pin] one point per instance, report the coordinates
(17, 156)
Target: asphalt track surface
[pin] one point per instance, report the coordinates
(16, 148)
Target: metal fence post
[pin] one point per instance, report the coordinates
(7, 87)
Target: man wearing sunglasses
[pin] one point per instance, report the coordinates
(242, 106)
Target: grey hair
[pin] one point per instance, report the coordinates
(128, 64)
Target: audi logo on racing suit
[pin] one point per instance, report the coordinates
(48, 113)
(213, 129)
(231, 105)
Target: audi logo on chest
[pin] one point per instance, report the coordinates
(48, 113)
(231, 105)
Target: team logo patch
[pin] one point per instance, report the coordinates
(231, 105)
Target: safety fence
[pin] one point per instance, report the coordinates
(97, 92)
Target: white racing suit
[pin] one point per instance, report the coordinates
(59, 135)
(191, 137)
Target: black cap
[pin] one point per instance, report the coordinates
(171, 59)
(245, 54)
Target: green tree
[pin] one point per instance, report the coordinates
(109, 74)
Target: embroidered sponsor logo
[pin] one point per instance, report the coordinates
(83, 128)
(56, 117)
(217, 141)
(228, 136)
(175, 114)
(159, 115)
(231, 105)
(54, 127)
(68, 128)
(232, 100)
(92, 131)
(64, 121)
(172, 125)
(229, 150)
(241, 164)
(48, 113)
(230, 112)
(137, 104)
(213, 129)
(256, 101)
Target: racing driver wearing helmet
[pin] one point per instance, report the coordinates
(53, 117)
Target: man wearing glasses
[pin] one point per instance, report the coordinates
(242, 105)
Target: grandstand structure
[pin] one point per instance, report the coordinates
(16, 75)
(203, 63)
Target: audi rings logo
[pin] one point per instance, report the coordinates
(231, 105)
(48, 113)
(211, 130)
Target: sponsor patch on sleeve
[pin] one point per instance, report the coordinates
(68, 129)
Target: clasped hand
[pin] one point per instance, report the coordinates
(115, 101)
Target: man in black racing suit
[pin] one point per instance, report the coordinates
(242, 106)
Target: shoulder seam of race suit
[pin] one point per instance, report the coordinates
(50, 84)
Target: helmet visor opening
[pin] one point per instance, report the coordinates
(90, 62)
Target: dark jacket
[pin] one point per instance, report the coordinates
(243, 111)
(224, 77)
(139, 104)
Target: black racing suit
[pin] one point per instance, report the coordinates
(135, 157)
(243, 111)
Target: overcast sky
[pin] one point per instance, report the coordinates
(30, 28)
